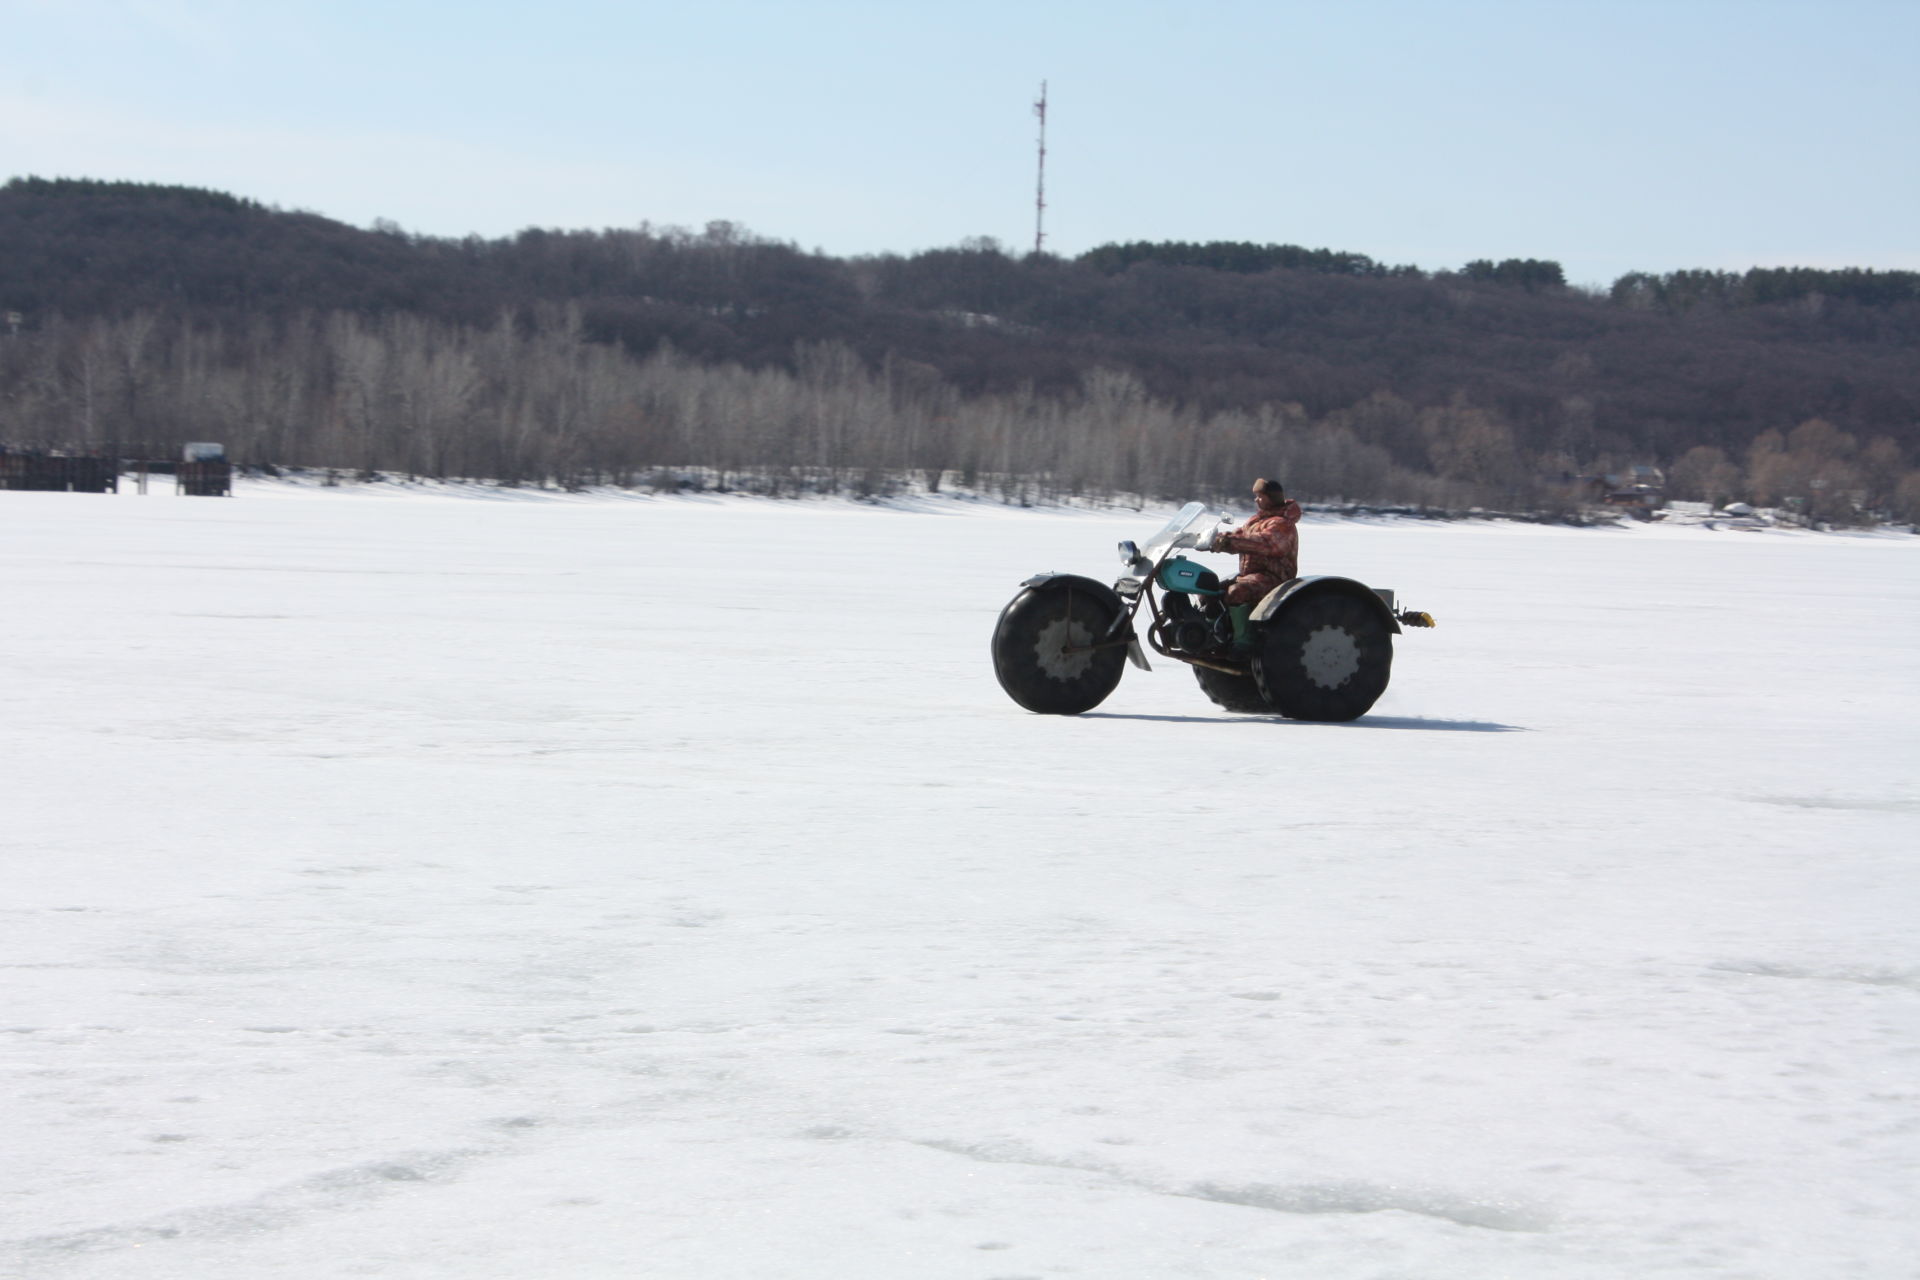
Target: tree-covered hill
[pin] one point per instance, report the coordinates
(1321, 341)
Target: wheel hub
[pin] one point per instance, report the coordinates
(1055, 638)
(1330, 657)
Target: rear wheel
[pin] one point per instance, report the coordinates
(1327, 657)
(1232, 693)
(1040, 654)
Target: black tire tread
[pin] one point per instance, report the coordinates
(1016, 636)
(1239, 694)
(1282, 678)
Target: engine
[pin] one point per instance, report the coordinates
(1192, 629)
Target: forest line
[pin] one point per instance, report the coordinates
(531, 400)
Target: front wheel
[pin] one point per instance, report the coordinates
(1327, 657)
(1040, 652)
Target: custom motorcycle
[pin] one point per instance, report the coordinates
(1314, 648)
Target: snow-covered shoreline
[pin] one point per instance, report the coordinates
(298, 482)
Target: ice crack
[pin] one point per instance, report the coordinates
(1485, 1212)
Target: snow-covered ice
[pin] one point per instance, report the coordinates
(422, 886)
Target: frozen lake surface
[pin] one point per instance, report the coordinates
(439, 887)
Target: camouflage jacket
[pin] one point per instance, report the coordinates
(1268, 546)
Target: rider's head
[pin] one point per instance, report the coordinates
(1268, 494)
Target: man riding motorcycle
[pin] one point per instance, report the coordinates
(1269, 549)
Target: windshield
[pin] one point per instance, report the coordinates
(1192, 516)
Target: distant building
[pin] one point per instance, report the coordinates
(1641, 486)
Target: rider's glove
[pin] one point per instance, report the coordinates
(1221, 541)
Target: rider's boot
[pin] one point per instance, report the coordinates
(1242, 631)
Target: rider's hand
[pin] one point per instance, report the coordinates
(1220, 541)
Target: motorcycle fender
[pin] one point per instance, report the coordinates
(1275, 601)
(1056, 581)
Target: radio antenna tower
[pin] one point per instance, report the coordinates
(1040, 190)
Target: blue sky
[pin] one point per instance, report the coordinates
(1609, 136)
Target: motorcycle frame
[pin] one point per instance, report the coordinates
(1155, 632)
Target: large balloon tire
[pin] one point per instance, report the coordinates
(1240, 694)
(1327, 657)
(1028, 641)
